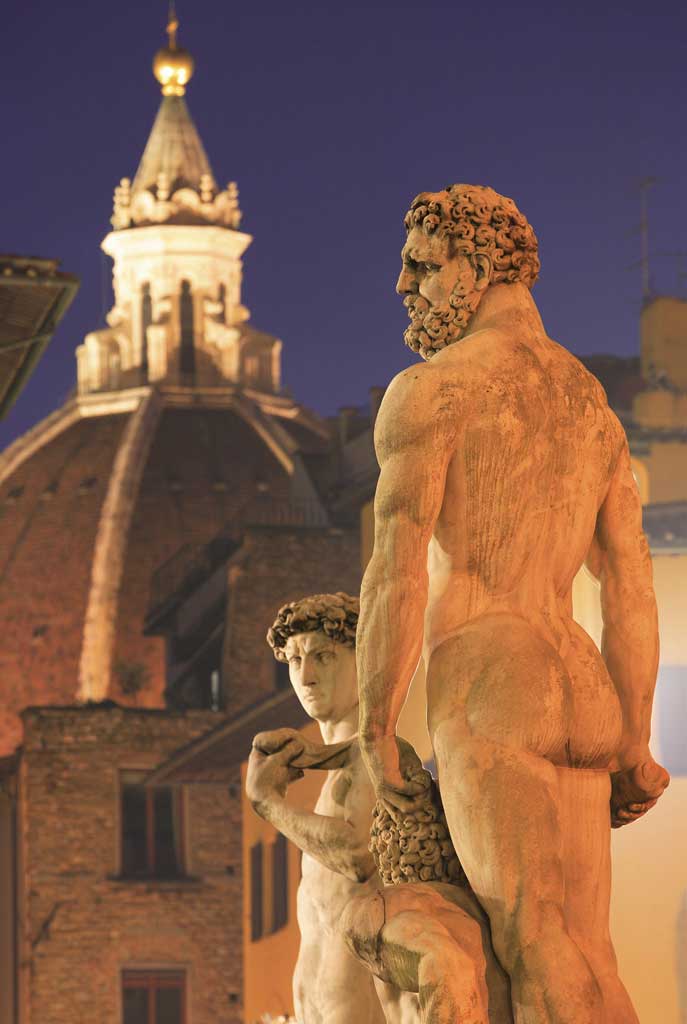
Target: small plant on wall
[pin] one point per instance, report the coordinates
(132, 677)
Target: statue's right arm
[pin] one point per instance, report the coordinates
(339, 844)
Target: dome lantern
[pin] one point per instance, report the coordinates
(173, 65)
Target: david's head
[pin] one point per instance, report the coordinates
(459, 242)
(316, 637)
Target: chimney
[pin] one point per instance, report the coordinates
(347, 414)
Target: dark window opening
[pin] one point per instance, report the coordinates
(146, 321)
(153, 997)
(222, 299)
(187, 352)
(280, 883)
(201, 685)
(151, 829)
(256, 892)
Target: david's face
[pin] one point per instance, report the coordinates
(438, 291)
(323, 674)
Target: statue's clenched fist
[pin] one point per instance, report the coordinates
(270, 774)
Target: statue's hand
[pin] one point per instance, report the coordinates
(636, 787)
(397, 788)
(269, 767)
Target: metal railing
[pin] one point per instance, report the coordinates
(193, 563)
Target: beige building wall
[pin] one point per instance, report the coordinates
(270, 961)
(663, 330)
(650, 856)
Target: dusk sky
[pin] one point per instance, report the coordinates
(331, 118)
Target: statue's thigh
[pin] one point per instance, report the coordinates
(502, 806)
(586, 832)
(335, 986)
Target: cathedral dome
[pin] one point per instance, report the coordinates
(96, 498)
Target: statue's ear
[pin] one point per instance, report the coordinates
(483, 267)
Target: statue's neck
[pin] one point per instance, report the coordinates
(343, 729)
(504, 306)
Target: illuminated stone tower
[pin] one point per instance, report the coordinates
(177, 248)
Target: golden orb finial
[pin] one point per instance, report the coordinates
(173, 65)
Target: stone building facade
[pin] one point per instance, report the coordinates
(97, 914)
(179, 448)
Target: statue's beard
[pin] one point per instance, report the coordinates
(434, 327)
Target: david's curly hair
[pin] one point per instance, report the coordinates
(475, 218)
(333, 614)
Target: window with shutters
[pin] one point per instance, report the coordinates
(151, 829)
(153, 997)
(269, 887)
(256, 892)
(280, 883)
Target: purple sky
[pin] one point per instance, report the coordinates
(331, 118)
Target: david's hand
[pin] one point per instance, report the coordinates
(270, 774)
(636, 787)
(396, 790)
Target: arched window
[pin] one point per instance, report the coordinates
(146, 321)
(187, 352)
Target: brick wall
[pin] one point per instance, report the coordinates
(276, 565)
(203, 466)
(81, 925)
(49, 513)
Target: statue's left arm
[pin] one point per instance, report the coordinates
(414, 439)
(620, 559)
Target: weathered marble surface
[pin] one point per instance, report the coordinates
(503, 470)
(424, 936)
(316, 636)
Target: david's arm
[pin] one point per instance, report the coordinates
(414, 439)
(333, 842)
(339, 843)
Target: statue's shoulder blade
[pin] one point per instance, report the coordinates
(421, 395)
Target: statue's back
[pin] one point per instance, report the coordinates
(534, 451)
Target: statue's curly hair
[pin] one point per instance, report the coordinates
(475, 218)
(418, 846)
(333, 614)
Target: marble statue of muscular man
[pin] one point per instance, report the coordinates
(503, 471)
(424, 936)
(316, 636)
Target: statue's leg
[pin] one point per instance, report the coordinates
(415, 950)
(498, 704)
(585, 796)
(332, 987)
